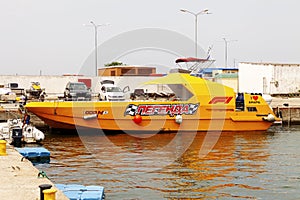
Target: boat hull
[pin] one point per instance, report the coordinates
(178, 102)
(112, 116)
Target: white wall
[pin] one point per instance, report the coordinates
(52, 84)
(56, 84)
(288, 77)
(251, 78)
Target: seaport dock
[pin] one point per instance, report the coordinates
(20, 179)
(287, 108)
(10, 111)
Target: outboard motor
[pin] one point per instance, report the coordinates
(39, 136)
(17, 135)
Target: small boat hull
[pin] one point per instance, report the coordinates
(26, 132)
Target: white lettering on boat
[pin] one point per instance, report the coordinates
(97, 112)
(161, 109)
(254, 100)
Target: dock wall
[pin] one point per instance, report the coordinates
(20, 179)
(289, 115)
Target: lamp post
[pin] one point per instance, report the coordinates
(96, 26)
(196, 23)
(226, 49)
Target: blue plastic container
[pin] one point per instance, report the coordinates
(81, 192)
(35, 154)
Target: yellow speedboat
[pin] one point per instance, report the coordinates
(172, 103)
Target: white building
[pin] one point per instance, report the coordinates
(269, 78)
(228, 79)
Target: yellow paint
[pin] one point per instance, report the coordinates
(49, 194)
(3, 148)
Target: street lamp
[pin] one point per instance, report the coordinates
(96, 26)
(226, 49)
(196, 23)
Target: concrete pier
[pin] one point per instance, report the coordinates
(19, 179)
(288, 108)
(9, 111)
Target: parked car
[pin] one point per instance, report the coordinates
(138, 94)
(76, 91)
(12, 85)
(110, 92)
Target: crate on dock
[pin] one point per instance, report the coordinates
(35, 154)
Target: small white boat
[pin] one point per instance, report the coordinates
(14, 128)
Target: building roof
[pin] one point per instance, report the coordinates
(274, 64)
(126, 66)
(227, 75)
(210, 70)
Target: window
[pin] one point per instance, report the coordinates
(251, 109)
(180, 91)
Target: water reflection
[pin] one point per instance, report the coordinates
(234, 158)
(140, 168)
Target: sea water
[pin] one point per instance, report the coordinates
(184, 165)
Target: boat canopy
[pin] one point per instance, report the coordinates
(193, 65)
(185, 86)
(179, 78)
(190, 59)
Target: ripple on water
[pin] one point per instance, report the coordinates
(255, 165)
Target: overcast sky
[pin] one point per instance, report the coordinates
(49, 36)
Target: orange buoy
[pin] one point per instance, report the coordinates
(137, 119)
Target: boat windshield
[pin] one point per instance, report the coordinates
(180, 91)
(78, 87)
(162, 92)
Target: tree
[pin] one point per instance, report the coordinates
(115, 63)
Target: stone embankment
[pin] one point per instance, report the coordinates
(288, 108)
(19, 178)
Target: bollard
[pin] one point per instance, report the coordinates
(42, 188)
(3, 148)
(49, 194)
